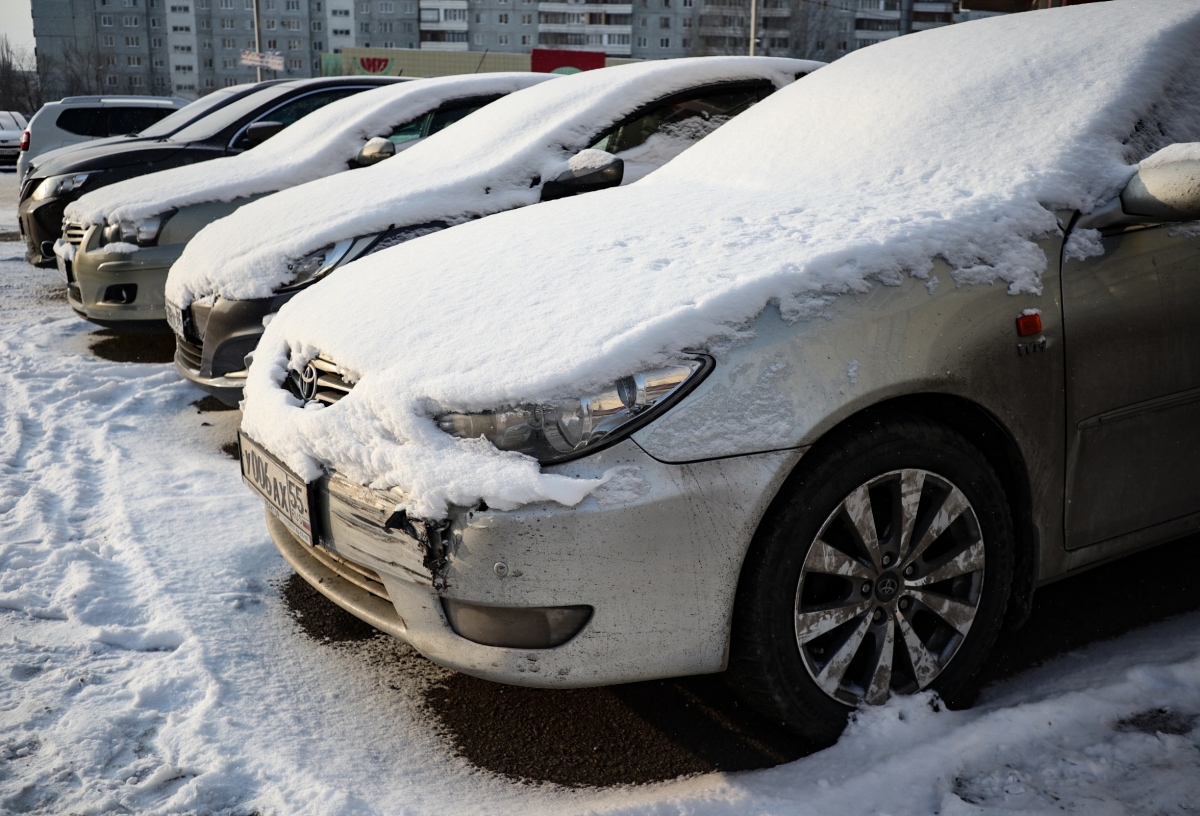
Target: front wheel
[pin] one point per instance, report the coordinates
(885, 569)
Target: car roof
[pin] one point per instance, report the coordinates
(147, 101)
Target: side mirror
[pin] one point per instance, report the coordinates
(1167, 186)
(259, 132)
(587, 171)
(375, 151)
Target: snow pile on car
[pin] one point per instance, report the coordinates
(957, 142)
(487, 166)
(319, 145)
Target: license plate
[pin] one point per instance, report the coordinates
(285, 492)
(175, 318)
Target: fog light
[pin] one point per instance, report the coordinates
(122, 293)
(516, 627)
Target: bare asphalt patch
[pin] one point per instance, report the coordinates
(118, 346)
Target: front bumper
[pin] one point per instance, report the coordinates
(232, 329)
(656, 555)
(41, 225)
(113, 288)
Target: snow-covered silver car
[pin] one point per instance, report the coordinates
(590, 131)
(820, 403)
(121, 240)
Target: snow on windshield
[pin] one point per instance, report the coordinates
(319, 145)
(955, 143)
(485, 164)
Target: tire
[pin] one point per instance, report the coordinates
(809, 644)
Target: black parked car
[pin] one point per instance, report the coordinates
(242, 121)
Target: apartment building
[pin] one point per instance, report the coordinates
(191, 47)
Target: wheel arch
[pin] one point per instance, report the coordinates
(989, 435)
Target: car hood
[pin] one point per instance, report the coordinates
(321, 144)
(10, 135)
(107, 154)
(955, 143)
(486, 163)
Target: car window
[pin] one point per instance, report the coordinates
(79, 121)
(190, 113)
(122, 121)
(210, 124)
(297, 109)
(410, 132)
(451, 113)
(685, 118)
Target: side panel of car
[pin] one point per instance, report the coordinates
(795, 383)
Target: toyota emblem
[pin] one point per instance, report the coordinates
(886, 587)
(308, 382)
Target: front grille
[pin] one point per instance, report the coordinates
(189, 355)
(319, 380)
(359, 576)
(73, 234)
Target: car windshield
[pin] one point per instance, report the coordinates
(200, 123)
(9, 122)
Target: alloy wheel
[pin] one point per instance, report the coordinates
(890, 587)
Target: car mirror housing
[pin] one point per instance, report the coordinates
(259, 132)
(375, 151)
(585, 179)
(1165, 192)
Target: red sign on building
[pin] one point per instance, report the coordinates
(554, 61)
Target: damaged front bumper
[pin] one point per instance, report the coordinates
(636, 582)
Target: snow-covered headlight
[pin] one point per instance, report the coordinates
(566, 429)
(57, 185)
(317, 264)
(141, 232)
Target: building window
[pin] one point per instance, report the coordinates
(502, 39)
(687, 3)
(687, 22)
(664, 42)
(478, 19)
(339, 12)
(249, 5)
(227, 4)
(641, 42)
(205, 24)
(408, 27)
(292, 25)
(292, 5)
(184, 69)
(202, 5)
(664, 22)
(228, 44)
(340, 32)
(526, 19)
(227, 25)
(316, 25)
(157, 62)
(272, 45)
(685, 43)
(133, 60)
(408, 8)
(318, 45)
(295, 45)
(228, 63)
(110, 60)
(183, 29)
(209, 82)
(160, 82)
(295, 64)
(642, 21)
(271, 24)
(502, 19)
(386, 28)
(364, 28)
(389, 44)
(480, 39)
(106, 20)
(387, 8)
(154, 22)
(156, 42)
(364, 8)
(206, 44)
(110, 80)
(133, 42)
(430, 15)
(107, 40)
(230, 82)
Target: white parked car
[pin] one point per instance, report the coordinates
(11, 125)
(820, 402)
(78, 119)
(121, 240)
(581, 133)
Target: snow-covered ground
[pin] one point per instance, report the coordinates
(148, 665)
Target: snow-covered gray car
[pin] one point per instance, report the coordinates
(121, 240)
(586, 132)
(820, 406)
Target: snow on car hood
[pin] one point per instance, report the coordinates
(956, 142)
(483, 164)
(319, 145)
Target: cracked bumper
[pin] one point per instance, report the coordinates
(656, 554)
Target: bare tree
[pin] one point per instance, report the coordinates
(20, 85)
(76, 71)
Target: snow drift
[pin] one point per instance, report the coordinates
(957, 142)
(485, 166)
(319, 145)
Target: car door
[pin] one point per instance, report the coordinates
(1131, 321)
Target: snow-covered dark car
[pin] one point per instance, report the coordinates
(121, 240)
(236, 122)
(585, 132)
(819, 405)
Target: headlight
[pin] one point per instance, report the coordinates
(570, 428)
(57, 185)
(141, 232)
(317, 264)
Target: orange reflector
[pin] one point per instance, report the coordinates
(1029, 324)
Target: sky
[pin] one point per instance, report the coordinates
(16, 23)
